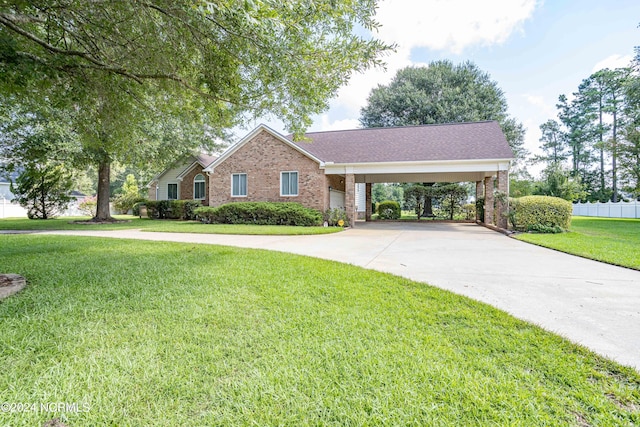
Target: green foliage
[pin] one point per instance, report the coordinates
(43, 189)
(172, 209)
(383, 191)
(135, 210)
(541, 213)
(169, 226)
(442, 93)
(129, 195)
(88, 206)
(389, 209)
(469, 211)
(416, 196)
(164, 78)
(260, 213)
(612, 240)
(480, 208)
(451, 198)
(333, 216)
(206, 335)
(557, 182)
(521, 187)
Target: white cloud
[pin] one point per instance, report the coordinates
(450, 25)
(325, 124)
(543, 107)
(612, 62)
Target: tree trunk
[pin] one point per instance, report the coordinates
(104, 179)
(601, 151)
(428, 203)
(43, 197)
(614, 158)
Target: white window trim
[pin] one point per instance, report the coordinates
(204, 180)
(247, 184)
(177, 190)
(297, 184)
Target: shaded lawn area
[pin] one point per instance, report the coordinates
(170, 226)
(169, 334)
(612, 240)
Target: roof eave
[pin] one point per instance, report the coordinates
(262, 127)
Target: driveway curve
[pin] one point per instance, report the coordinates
(591, 303)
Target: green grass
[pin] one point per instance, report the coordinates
(146, 224)
(168, 334)
(612, 240)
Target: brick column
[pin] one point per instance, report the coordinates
(502, 205)
(488, 200)
(367, 197)
(479, 194)
(350, 197)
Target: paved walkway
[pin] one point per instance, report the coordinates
(591, 303)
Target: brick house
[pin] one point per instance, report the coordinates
(327, 169)
(184, 180)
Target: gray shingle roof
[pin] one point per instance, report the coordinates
(205, 159)
(458, 141)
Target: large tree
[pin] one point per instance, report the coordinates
(442, 93)
(577, 118)
(603, 93)
(553, 143)
(143, 80)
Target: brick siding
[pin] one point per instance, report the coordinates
(262, 159)
(186, 186)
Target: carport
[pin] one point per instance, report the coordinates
(461, 152)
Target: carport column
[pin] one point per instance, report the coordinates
(488, 200)
(502, 204)
(350, 197)
(367, 197)
(479, 194)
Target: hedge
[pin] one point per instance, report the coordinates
(389, 209)
(172, 209)
(544, 214)
(260, 213)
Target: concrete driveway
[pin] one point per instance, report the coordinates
(591, 303)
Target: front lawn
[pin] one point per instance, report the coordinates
(612, 240)
(171, 226)
(167, 334)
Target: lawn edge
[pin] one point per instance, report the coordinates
(514, 236)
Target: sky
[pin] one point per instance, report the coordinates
(535, 50)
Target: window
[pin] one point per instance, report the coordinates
(289, 183)
(172, 191)
(239, 185)
(198, 187)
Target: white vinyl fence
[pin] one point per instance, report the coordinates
(608, 210)
(10, 210)
(14, 210)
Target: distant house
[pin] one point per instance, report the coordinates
(337, 168)
(7, 208)
(184, 180)
(5, 183)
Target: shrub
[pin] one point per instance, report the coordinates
(541, 213)
(260, 213)
(43, 189)
(469, 210)
(129, 196)
(125, 202)
(136, 207)
(480, 208)
(172, 209)
(89, 205)
(389, 209)
(333, 216)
